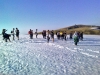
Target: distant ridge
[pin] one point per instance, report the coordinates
(78, 26)
(86, 29)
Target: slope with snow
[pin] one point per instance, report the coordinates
(37, 57)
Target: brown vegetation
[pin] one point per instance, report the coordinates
(86, 29)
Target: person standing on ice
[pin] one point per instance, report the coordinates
(58, 35)
(36, 33)
(71, 35)
(52, 35)
(62, 35)
(48, 33)
(76, 39)
(17, 33)
(3, 32)
(48, 37)
(81, 35)
(12, 32)
(31, 34)
(65, 35)
(44, 34)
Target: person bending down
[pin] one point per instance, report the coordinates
(6, 37)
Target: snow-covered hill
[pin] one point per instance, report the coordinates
(37, 57)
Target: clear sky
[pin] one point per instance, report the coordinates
(47, 14)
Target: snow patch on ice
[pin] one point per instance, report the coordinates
(87, 54)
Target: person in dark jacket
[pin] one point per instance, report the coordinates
(52, 35)
(3, 32)
(65, 35)
(13, 34)
(36, 33)
(31, 34)
(81, 35)
(7, 37)
(62, 36)
(44, 34)
(71, 35)
(17, 33)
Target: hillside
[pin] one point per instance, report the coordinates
(86, 29)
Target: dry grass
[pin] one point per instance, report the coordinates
(84, 29)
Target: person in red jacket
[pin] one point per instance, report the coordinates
(31, 34)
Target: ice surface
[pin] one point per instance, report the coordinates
(37, 57)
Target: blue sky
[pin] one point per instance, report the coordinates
(47, 14)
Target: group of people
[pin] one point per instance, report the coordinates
(46, 35)
(60, 35)
(7, 36)
(30, 32)
(63, 35)
(76, 36)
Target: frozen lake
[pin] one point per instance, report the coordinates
(37, 57)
